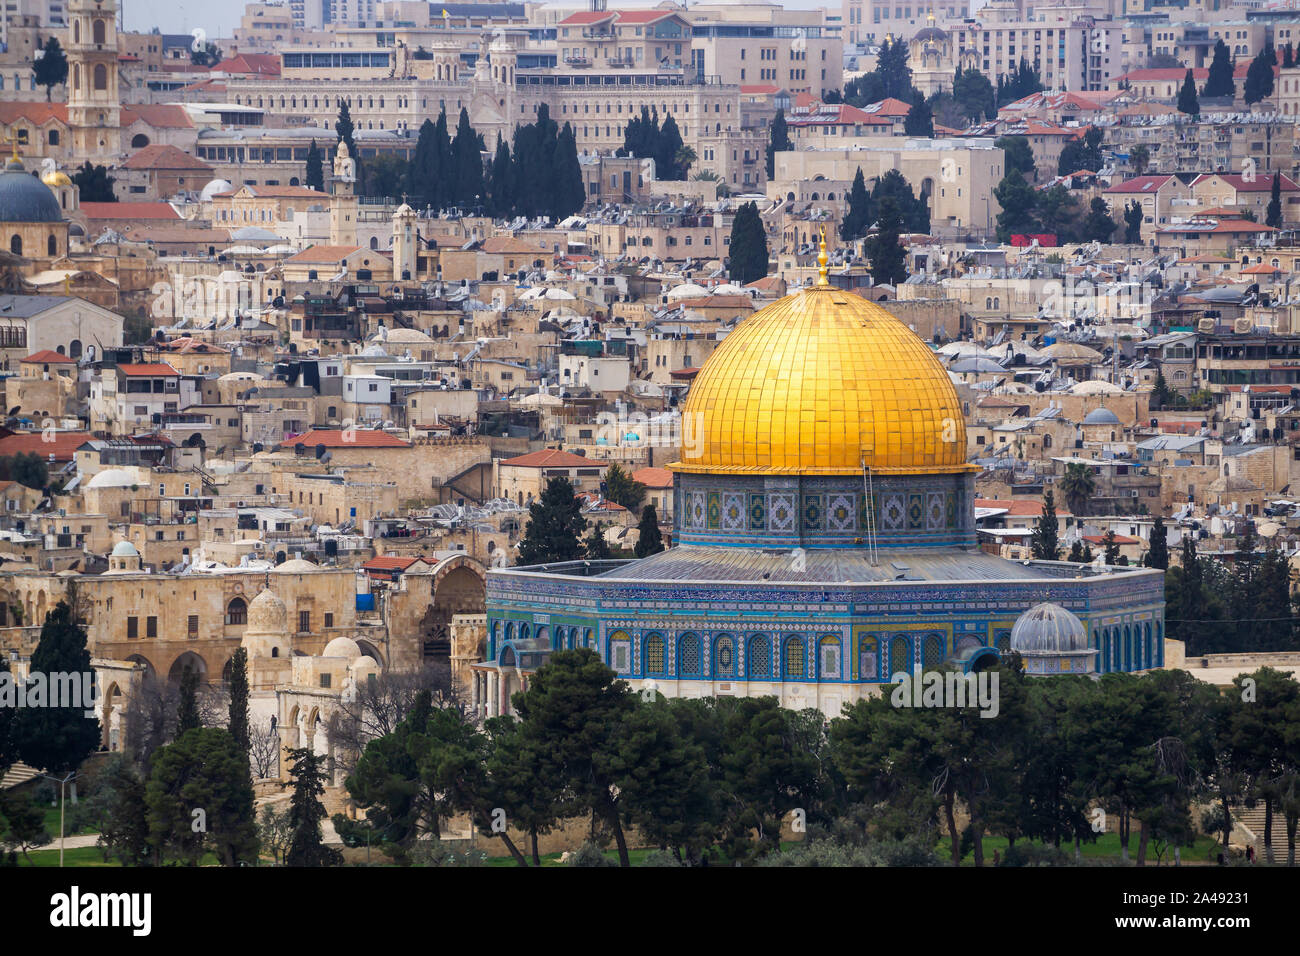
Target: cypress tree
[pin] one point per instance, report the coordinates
(1158, 555)
(57, 739)
(1274, 216)
(555, 522)
(670, 142)
(343, 128)
(1259, 76)
(315, 169)
(888, 260)
(748, 248)
(501, 182)
(858, 218)
(595, 547)
(570, 192)
(1045, 544)
(1187, 101)
(649, 541)
(187, 711)
(306, 847)
(238, 725)
(467, 163)
(425, 173)
(1220, 81)
(920, 119)
(778, 141)
(1112, 547)
(443, 187)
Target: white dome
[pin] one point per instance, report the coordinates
(214, 187)
(1048, 629)
(729, 288)
(113, 478)
(408, 337)
(1096, 386)
(239, 377)
(296, 566)
(342, 647)
(267, 614)
(687, 290)
(125, 549)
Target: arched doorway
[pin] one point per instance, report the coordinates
(191, 661)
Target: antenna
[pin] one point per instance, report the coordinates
(868, 487)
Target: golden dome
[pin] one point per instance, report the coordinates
(56, 178)
(817, 384)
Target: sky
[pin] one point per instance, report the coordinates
(220, 17)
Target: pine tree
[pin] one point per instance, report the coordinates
(555, 523)
(1158, 555)
(306, 847)
(1099, 227)
(920, 120)
(888, 260)
(748, 248)
(1045, 543)
(1076, 551)
(1112, 547)
(1160, 393)
(649, 540)
(187, 710)
(94, 184)
(315, 169)
(858, 218)
(238, 724)
(778, 141)
(621, 489)
(1187, 101)
(595, 547)
(50, 68)
(57, 739)
(1220, 82)
(1274, 215)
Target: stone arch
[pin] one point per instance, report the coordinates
(191, 660)
(113, 699)
(139, 141)
(237, 612)
(149, 671)
(369, 650)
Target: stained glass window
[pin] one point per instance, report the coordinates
(690, 661)
(794, 657)
(760, 657)
(654, 654)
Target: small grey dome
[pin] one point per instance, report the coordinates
(125, 549)
(1101, 416)
(24, 198)
(1048, 629)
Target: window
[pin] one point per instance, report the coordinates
(829, 658)
(654, 654)
(329, 618)
(900, 649)
(794, 657)
(324, 680)
(132, 628)
(620, 652)
(237, 612)
(689, 657)
(760, 656)
(193, 626)
(151, 626)
(304, 620)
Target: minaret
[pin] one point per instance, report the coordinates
(94, 110)
(404, 243)
(343, 207)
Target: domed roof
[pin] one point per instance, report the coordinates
(1101, 416)
(267, 613)
(930, 33)
(214, 187)
(342, 647)
(1230, 483)
(125, 549)
(819, 383)
(1048, 629)
(296, 566)
(56, 177)
(24, 198)
(408, 337)
(112, 478)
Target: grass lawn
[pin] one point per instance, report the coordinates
(1106, 848)
(73, 856)
(52, 824)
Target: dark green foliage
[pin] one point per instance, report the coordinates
(94, 184)
(555, 524)
(1158, 555)
(203, 770)
(500, 183)
(51, 67)
(57, 739)
(973, 95)
(467, 163)
(1045, 544)
(1259, 76)
(1274, 215)
(920, 120)
(594, 546)
(306, 813)
(315, 169)
(649, 541)
(22, 823)
(857, 220)
(546, 179)
(26, 468)
(386, 177)
(1220, 81)
(748, 250)
(425, 176)
(1187, 101)
(892, 77)
(865, 208)
(1024, 81)
(343, 129)
(238, 725)
(1139, 158)
(1133, 223)
(1098, 227)
(1018, 155)
(121, 814)
(1080, 154)
(621, 489)
(1018, 200)
(883, 248)
(187, 710)
(778, 141)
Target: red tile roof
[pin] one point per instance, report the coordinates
(1140, 184)
(158, 115)
(654, 477)
(164, 156)
(61, 447)
(1020, 507)
(388, 563)
(148, 368)
(1256, 184)
(37, 112)
(257, 63)
(356, 438)
(551, 458)
(49, 357)
(329, 254)
(128, 210)
(586, 18)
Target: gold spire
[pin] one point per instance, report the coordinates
(12, 140)
(822, 259)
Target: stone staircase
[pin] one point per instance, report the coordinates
(18, 774)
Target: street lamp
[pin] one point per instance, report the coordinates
(63, 783)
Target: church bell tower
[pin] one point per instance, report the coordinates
(94, 110)
(343, 207)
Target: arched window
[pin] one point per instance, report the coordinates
(101, 77)
(793, 659)
(654, 655)
(97, 31)
(933, 651)
(53, 137)
(724, 657)
(1128, 648)
(139, 141)
(690, 657)
(237, 612)
(828, 658)
(868, 659)
(1047, 441)
(759, 658)
(589, 638)
(510, 631)
(900, 655)
(52, 246)
(16, 245)
(988, 302)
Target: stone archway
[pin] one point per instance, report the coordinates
(191, 660)
(459, 587)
